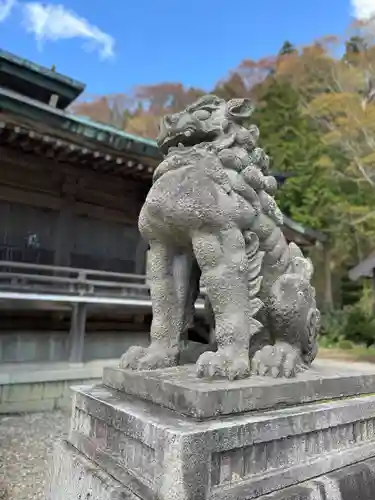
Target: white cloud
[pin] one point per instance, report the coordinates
(6, 7)
(363, 10)
(49, 22)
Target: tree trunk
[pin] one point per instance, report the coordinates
(328, 295)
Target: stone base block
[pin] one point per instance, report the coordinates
(157, 453)
(179, 389)
(73, 476)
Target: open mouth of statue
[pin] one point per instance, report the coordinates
(187, 138)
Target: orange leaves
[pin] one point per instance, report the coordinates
(165, 97)
(110, 109)
(307, 69)
(151, 102)
(138, 113)
(144, 124)
(253, 72)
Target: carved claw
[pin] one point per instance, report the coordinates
(223, 364)
(279, 360)
(150, 358)
(130, 358)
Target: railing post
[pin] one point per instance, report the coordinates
(77, 333)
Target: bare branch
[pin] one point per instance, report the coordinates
(364, 218)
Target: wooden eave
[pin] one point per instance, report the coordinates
(79, 129)
(42, 141)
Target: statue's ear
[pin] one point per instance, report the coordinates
(239, 109)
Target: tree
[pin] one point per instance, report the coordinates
(287, 49)
(151, 102)
(139, 112)
(337, 96)
(165, 97)
(113, 109)
(254, 73)
(353, 47)
(307, 68)
(295, 148)
(345, 113)
(230, 88)
(293, 142)
(143, 124)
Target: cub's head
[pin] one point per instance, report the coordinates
(206, 120)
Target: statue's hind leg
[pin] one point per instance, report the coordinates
(223, 261)
(169, 276)
(293, 319)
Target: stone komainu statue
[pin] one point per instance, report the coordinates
(210, 218)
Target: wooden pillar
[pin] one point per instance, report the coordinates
(63, 240)
(328, 295)
(77, 333)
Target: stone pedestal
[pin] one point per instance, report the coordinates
(166, 435)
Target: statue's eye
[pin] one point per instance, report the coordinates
(202, 114)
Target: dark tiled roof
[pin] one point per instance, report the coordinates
(36, 81)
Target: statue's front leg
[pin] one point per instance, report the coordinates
(168, 293)
(222, 258)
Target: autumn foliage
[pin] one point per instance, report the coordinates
(334, 81)
(315, 106)
(139, 112)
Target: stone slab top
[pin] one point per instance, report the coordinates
(180, 390)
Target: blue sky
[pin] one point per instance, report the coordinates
(113, 45)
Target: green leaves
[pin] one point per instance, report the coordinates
(295, 147)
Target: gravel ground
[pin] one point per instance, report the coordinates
(26, 442)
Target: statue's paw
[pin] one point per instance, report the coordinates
(130, 358)
(279, 360)
(158, 358)
(223, 364)
(150, 358)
